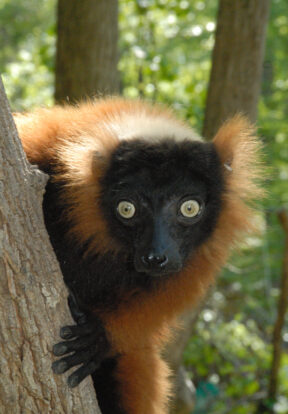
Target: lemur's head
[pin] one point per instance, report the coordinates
(162, 200)
(145, 186)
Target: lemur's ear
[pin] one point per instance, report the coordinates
(239, 149)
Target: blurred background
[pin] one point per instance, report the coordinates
(207, 60)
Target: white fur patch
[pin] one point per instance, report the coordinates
(150, 128)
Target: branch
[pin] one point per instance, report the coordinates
(282, 309)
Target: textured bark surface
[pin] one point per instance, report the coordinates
(86, 61)
(236, 74)
(32, 293)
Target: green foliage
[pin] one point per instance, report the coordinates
(27, 50)
(165, 52)
(232, 356)
(274, 104)
(165, 55)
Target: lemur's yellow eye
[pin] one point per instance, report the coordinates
(126, 209)
(190, 208)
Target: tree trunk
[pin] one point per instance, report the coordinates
(32, 292)
(236, 74)
(86, 58)
(281, 314)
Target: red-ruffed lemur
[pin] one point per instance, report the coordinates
(141, 214)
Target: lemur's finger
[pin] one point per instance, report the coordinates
(63, 364)
(78, 344)
(81, 373)
(72, 331)
(79, 317)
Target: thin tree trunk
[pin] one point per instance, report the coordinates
(236, 74)
(86, 59)
(282, 309)
(32, 292)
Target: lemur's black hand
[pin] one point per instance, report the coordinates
(86, 343)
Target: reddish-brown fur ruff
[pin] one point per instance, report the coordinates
(79, 141)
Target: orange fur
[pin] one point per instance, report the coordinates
(144, 385)
(80, 140)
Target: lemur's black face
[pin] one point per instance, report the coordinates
(162, 201)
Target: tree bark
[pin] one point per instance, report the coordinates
(32, 292)
(87, 54)
(237, 62)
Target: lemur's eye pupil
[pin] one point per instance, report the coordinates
(126, 209)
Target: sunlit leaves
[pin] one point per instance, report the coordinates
(227, 355)
(173, 46)
(27, 51)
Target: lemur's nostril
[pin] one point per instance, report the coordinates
(155, 260)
